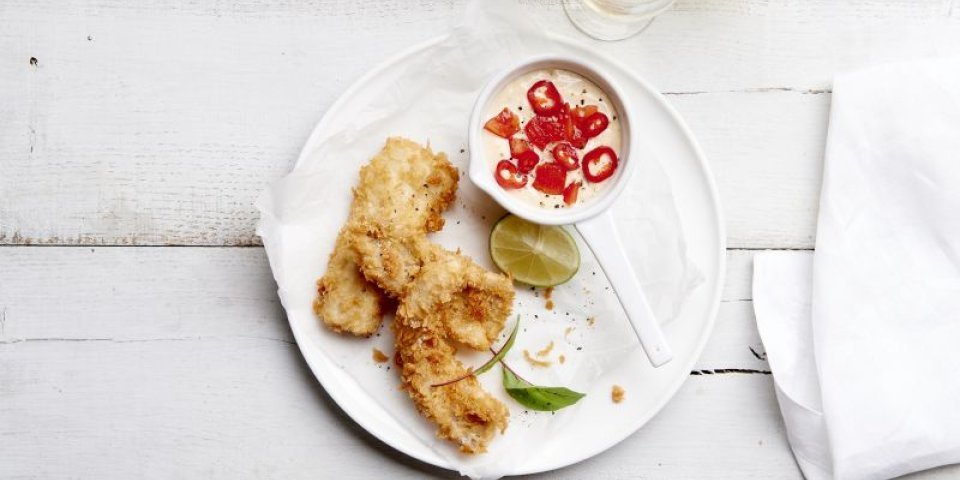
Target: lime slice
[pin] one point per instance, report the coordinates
(538, 255)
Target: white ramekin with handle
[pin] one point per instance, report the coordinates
(592, 217)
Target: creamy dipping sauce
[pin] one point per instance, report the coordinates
(576, 91)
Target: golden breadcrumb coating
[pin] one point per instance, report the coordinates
(443, 296)
(406, 187)
(391, 262)
(457, 298)
(346, 301)
(463, 411)
(401, 196)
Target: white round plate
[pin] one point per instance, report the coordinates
(696, 201)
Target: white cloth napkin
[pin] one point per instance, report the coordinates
(863, 336)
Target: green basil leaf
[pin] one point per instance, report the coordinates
(543, 399)
(512, 381)
(503, 351)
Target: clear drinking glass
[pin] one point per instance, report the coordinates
(614, 19)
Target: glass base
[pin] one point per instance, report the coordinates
(589, 19)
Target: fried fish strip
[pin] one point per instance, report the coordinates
(391, 215)
(463, 411)
(454, 297)
(395, 205)
(389, 260)
(406, 187)
(442, 291)
(347, 302)
(444, 296)
(451, 298)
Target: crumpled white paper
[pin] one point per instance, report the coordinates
(428, 99)
(862, 336)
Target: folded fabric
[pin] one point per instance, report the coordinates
(863, 336)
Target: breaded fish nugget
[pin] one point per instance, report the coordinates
(406, 187)
(346, 301)
(463, 411)
(459, 299)
(443, 296)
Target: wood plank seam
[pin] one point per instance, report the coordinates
(768, 89)
(727, 371)
(144, 340)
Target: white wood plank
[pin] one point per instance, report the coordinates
(766, 152)
(716, 45)
(753, 158)
(114, 296)
(133, 294)
(165, 124)
(739, 282)
(161, 124)
(244, 408)
(178, 361)
(129, 295)
(735, 343)
(160, 362)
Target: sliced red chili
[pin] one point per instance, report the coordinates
(595, 124)
(507, 175)
(599, 164)
(526, 157)
(550, 178)
(573, 133)
(504, 124)
(570, 193)
(543, 130)
(566, 156)
(544, 98)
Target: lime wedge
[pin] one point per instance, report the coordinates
(538, 255)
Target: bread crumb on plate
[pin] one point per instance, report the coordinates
(535, 362)
(379, 356)
(546, 350)
(617, 394)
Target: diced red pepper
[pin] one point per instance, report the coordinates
(580, 114)
(505, 124)
(507, 175)
(549, 178)
(543, 130)
(566, 156)
(526, 157)
(599, 164)
(518, 146)
(544, 98)
(570, 193)
(528, 160)
(595, 124)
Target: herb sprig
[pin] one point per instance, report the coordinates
(534, 397)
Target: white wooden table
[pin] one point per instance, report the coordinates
(140, 332)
